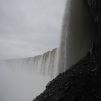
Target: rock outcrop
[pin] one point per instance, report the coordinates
(95, 6)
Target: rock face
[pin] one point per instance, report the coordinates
(95, 6)
(82, 82)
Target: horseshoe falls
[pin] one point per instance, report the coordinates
(42, 64)
(25, 78)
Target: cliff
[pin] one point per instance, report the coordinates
(95, 7)
(82, 82)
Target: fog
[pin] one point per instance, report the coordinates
(20, 85)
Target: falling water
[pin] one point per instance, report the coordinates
(42, 64)
(78, 34)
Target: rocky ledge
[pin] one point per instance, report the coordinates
(82, 82)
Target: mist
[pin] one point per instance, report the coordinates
(20, 85)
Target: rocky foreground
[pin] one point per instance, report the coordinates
(82, 82)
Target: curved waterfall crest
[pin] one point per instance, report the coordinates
(42, 64)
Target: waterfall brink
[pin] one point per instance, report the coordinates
(78, 34)
(42, 64)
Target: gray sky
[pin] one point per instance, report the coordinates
(29, 27)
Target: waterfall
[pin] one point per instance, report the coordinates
(42, 64)
(77, 35)
(24, 78)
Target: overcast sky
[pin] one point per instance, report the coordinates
(29, 27)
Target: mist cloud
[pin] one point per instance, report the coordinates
(20, 85)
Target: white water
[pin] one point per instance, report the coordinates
(78, 34)
(42, 64)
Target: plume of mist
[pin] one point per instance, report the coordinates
(20, 85)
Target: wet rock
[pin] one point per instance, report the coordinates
(82, 82)
(49, 83)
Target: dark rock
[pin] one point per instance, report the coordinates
(49, 83)
(82, 82)
(95, 6)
